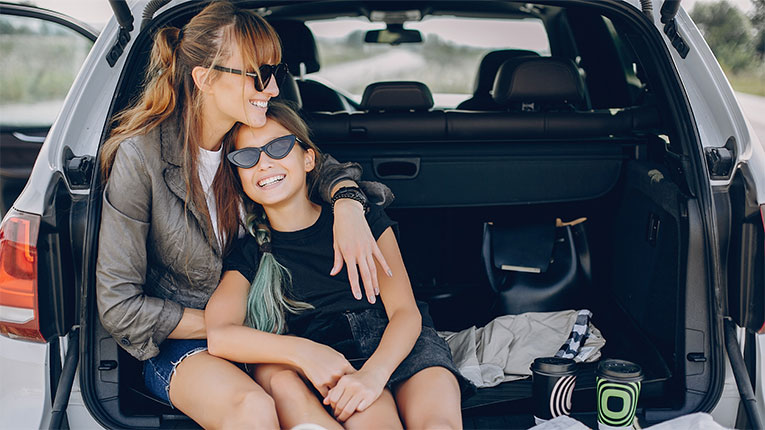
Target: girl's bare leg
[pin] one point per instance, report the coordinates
(218, 395)
(380, 415)
(430, 400)
(295, 402)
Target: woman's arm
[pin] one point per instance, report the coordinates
(353, 241)
(358, 391)
(137, 321)
(228, 338)
(191, 325)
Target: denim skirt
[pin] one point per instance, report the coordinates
(357, 334)
(158, 370)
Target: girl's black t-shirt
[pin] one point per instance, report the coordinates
(309, 256)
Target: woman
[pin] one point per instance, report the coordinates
(273, 285)
(161, 243)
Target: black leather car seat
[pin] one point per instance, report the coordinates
(301, 56)
(540, 84)
(397, 96)
(484, 81)
(396, 110)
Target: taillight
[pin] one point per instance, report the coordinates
(19, 310)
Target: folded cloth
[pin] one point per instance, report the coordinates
(694, 421)
(504, 349)
(577, 337)
(562, 422)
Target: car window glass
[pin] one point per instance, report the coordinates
(446, 61)
(39, 60)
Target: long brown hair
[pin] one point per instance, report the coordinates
(227, 186)
(205, 41)
(268, 298)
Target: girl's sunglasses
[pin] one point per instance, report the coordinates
(276, 149)
(267, 71)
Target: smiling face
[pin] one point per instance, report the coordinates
(270, 182)
(231, 98)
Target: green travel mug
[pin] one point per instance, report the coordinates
(618, 389)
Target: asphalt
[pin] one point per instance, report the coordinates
(754, 110)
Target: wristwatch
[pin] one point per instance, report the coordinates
(353, 193)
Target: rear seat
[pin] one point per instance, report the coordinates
(543, 97)
(397, 109)
(484, 82)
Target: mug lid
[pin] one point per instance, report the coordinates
(554, 366)
(620, 370)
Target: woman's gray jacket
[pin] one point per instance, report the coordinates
(156, 253)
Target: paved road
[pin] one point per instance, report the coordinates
(754, 110)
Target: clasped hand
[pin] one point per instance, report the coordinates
(323, 366)
(355, 392)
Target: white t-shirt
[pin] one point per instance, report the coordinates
(208, 163)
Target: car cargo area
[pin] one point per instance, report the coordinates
(613, 157)
(635, 294)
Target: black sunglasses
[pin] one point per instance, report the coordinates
(276, 149)
(279, 71)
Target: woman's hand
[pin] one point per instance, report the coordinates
(354, 243)
(322, 365)
(355, 392)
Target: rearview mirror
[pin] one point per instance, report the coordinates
(394, 34)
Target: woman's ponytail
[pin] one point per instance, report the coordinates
(163, 68)
(266, 301)
(159, 96)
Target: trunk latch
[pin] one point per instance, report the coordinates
(78, 169)
(720, 159)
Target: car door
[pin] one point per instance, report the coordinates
(41, 53)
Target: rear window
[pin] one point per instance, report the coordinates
(446, 61)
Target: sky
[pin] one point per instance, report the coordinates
(97, 12)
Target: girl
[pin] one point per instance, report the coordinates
(273, 284)
(161, 240)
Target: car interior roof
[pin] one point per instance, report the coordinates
(474, 9)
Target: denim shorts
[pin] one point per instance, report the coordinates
(429, 350)
(158, 370)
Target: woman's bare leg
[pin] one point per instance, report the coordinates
(217, 394)
(380, 415)
(295, 402)
(430, 400)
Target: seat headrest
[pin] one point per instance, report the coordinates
(396, 96)
(490, 63)
(543, 81)
(290, 92)
(298, 45)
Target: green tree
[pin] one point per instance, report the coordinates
(728, 32)
(758, 21)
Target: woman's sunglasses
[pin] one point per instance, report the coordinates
(276, 149)
(267, 71)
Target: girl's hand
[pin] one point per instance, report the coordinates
(322, 365)
(355, 392)
(354, 243)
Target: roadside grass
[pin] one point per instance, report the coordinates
(748, 81)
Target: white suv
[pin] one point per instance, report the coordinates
(646, 141)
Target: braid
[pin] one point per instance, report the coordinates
(266, 300)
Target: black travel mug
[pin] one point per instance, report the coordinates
(553, 384)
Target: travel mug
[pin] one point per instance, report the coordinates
(553, 385)
(618, 388)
